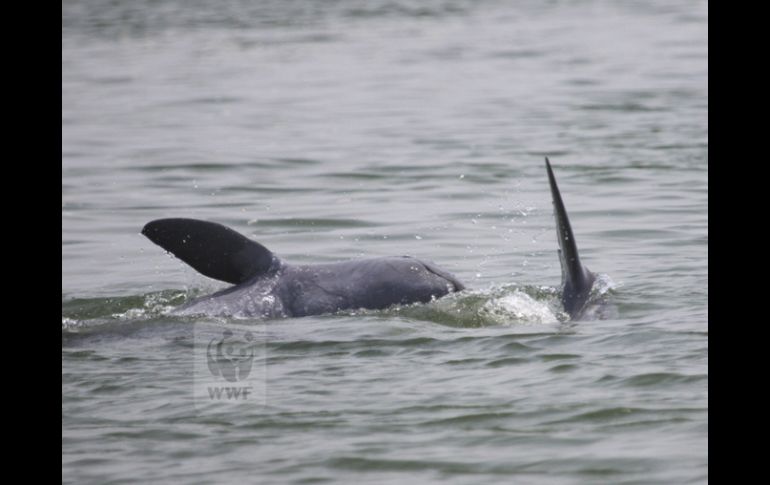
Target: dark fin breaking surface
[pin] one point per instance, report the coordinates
(576, 278)
(212, 249)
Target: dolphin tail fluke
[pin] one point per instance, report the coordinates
(212, 249)
(576, 279)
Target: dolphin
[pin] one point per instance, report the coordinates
(267, 287)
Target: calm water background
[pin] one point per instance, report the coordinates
(332, 130)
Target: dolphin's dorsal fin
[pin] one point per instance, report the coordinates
(576, 279)
(212, 249)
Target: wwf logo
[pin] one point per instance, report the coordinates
(231, 357)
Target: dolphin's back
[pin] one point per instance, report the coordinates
(369, 283)
(302, 290)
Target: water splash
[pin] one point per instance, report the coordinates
(497, 305)
(518, 308)
(494, 306)
(79, 314)
(602, 285)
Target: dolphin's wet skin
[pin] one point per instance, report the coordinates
(265, 286)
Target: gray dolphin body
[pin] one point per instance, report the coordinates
(265, 286)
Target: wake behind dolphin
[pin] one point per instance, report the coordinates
(268, 287)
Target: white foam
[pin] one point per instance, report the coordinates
(518, 307)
